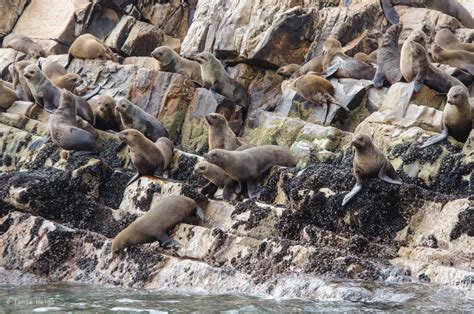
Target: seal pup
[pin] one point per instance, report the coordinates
(369, 161)
(247, 166)
(215, 77)
(133, 117)
(446, 39)
(288, 70)
(314, 65)
(106, 117)
(20, 84)
(63, 128)
(406, 61)
(217, 178)
(317, 90)
(461, 59)
(220, 133)
(457, 120)
(148, 158)
(336, 63)
(48, 96)
(170, 61)
(388, 58)
(428, 74)
(7, 96)
(23, 44)
(162, 217)
(59, 76)
(87, 46)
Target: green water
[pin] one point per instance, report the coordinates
(85, 298)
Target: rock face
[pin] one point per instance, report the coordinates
(59, 212)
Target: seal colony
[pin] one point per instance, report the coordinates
(230, 163)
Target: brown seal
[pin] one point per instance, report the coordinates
(217, 178)
(148, 158)
(48, 96)
(446, 39)
(87, 46)
(23, 44)
(220, 133)
(313, 65)
(63, 128)
(336, 63)
(369, 161)
(318, 91)
(361, 56)
(133, 117)
(457, 119)
(106, 116)
(406, 62)
(248, 165)
(20, 84)
(162, 217)
(172, 62)
(216, 78)
(59, 76)
(7, 96)
(288, 70)
(455, 58)
(429, 74)
(388, 58)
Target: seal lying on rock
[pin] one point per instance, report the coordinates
(87, 46)
(161, 218)
(248, 165)
(369, 161)
(388, 58)
(455, 58)
(23, 44)
(106, 116)
(59, 76)
(148, 158)
(172, 62)
(220, 133)
(446, 39)
(429, 74)
(133, 117)
(457, 120)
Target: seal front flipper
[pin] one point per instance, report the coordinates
(253, 188)
(389, 11)
(92, 93)
(210, 190)
(39, 142)
(228, 191)
(384, 175)
(166, 242)
(330, 71)
(379, 78)
(356, 189)
(436, 139)
(79, 153)
(419, 79)
(133, 179)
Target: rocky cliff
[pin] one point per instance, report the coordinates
(59, 212)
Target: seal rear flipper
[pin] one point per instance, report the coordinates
(210, 190)
(389, 11)
(379, 78)
(92, 93)
(436, 139)
(384, 175)
(253, 188)
(229, 189)
(331, 70)
(133, 179)
(38, 143)
(356, 189)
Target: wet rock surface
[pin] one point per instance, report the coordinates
(59, 212)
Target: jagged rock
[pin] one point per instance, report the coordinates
(11, 10)
(142, 39)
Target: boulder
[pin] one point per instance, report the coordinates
(11, 10)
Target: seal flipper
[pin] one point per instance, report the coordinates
(201, 214)
(133, 179)
(379, 78)
(419, 79)
(38, 143)
(253, 188)
(79, 153)
(166, 242)
(94, 92)
(356, 189)
(389, 11)
(347, 3)
(331, 70)
(384, 176)
(437, 138)
(210, 190)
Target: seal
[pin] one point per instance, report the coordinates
(133, 117)
(220, 133)
(162, 217)
(170, 61)
(388, 58)
(455, 58)
(23, 44)
(217, 178)
(406, 62)
(361, 56)
(148, 158)
(216, 78)
(63, 129)
(48, 96)
(313, 65)
(457, 117)
(59, 76)
(369, 161)
(336, 63)
(429, 74)
(247, 166)
(446, 39)
(318, 91)
(288, 70)
(106, 116)
(20, 84)
(7, 96)
(87, 46)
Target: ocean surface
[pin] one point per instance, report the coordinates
(76, 298)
